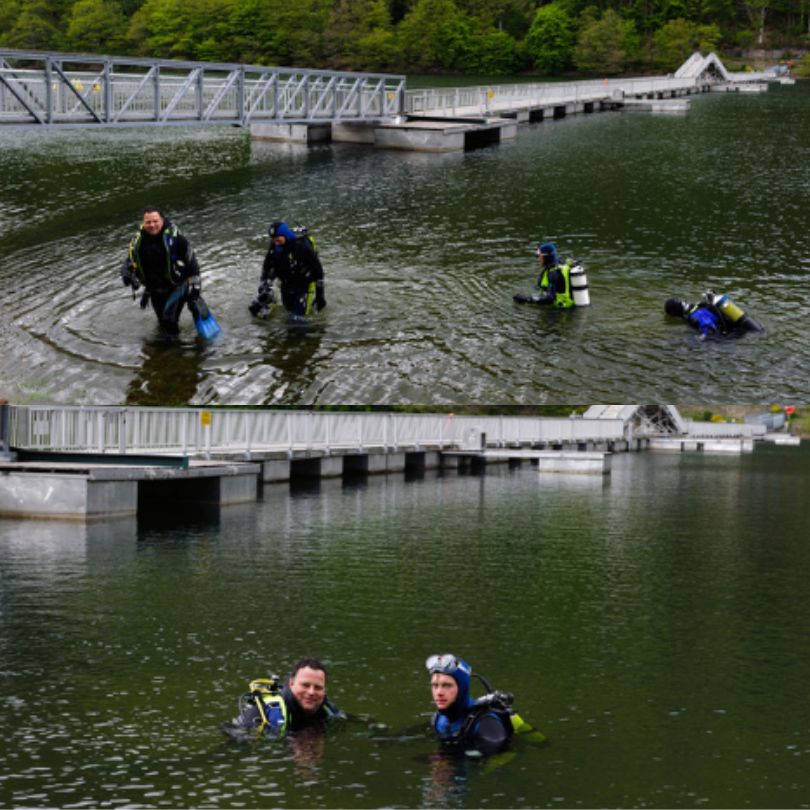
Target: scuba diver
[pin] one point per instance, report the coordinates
(484, 725)
(713, 315)
(292, 259)
(556, 281)
(162, 260)
(276, 710)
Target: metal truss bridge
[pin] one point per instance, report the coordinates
(84, 90)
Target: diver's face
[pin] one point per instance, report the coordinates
(444, 689)
(309, 688)
(152, 222)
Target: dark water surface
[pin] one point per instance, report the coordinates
(653, 624)
(423, 253)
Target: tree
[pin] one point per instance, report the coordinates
(493, 53)
(550, 41)
(676, 41)
(157, 29)
(37, 27)
(360, 36)
(434, 35)
(606, 45)
(96, 26)
(757, 11)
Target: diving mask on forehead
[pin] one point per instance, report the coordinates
(447, 664)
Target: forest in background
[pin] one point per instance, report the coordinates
(484, 37)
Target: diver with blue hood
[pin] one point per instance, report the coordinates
(554, 281)
(292, 258)
(485, 724)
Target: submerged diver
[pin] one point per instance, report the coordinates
(484, 725)
(162, 260)
(292, 259)
(554, 281)
(278, 710)
(713, 315)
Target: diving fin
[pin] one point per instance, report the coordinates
(205, 323)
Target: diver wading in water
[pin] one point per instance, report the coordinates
(272, 709)
(484, 725)
(292, 258)
(162, 260)
(561, 284)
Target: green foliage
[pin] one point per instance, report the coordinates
(607, 45)
(802, 68)
(360, 35)
(486, 37)
(434, 35)
(95, 26)
(494, 53)
(550, 41)
(36, 27)
(676, 41)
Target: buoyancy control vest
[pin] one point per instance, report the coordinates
(462, 731)
(562, 299)
(264, 707)
(168, 236)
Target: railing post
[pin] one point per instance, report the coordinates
(122, 432)
(5, 411)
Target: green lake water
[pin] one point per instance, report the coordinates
(652, 623)
(423, 253)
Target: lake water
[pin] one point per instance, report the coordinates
(653, 624)
(422, 254)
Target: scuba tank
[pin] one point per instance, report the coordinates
(579, 286)
(263, 707)
(735, 316)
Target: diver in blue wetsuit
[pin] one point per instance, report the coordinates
(713, 315)
(484, 725)
(292, 259)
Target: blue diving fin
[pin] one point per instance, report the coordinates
(205, 323)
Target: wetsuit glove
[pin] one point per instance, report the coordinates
(320, 300)
(194, 288)
(128, 276)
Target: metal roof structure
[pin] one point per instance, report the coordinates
(642, 420)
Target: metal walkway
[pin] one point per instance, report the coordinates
(82, 90)
(250, 433)
(85, 90)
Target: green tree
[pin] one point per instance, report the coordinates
(37, 26)
(360, 35)
(434, 35)
(96, 26)
(9, 9)
(606, 45)
(493, 53)
(157, 29)
(550, 41)
(676, 41)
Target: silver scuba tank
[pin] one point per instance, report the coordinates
(579, 286)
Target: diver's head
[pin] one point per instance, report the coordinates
(449, 681)
(152, 219)
(547, 253)
(676, 307)
(308, 684)
(280, 232)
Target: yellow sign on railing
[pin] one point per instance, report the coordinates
(205, 418)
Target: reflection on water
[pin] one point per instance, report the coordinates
(422, 255)
(652, 624)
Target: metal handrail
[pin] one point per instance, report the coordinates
(66, 89)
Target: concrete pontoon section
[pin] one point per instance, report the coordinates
(81, 463)
(72, 492)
